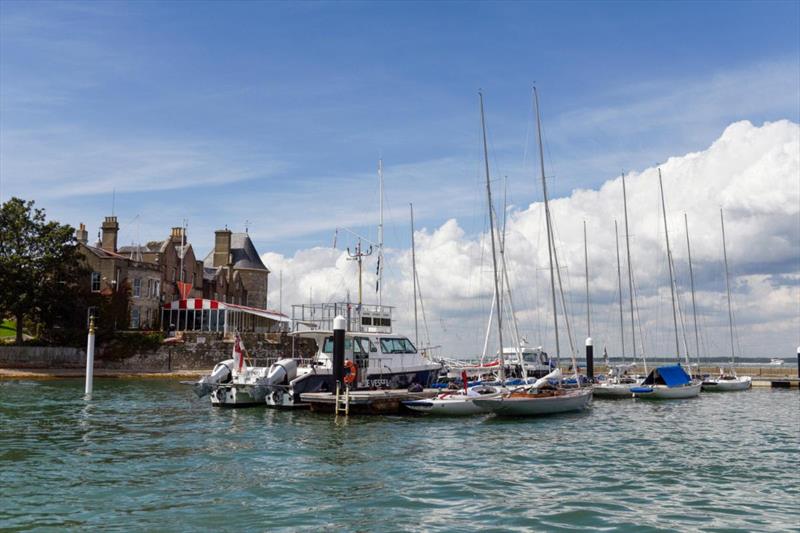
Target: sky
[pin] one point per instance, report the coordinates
(272, 117)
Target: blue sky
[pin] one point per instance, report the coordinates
(280, 111)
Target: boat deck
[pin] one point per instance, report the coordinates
(387, 401)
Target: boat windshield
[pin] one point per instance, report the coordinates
(400, 345)
(356, 345)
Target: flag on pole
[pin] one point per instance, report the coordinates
(238, 354)
(184, 289)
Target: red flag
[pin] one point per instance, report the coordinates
(184, 289)
(238, 355)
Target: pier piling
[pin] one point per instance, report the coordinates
(90, 359)
(339, 326)
(589, 359)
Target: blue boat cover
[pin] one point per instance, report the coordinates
(674, 375)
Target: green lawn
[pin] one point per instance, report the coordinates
(8, 328)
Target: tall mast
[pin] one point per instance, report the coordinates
(728, 288)
(630, 271)
(691, 282)
(414, 276)
(671, 274)
(380, 235)
(586, 263)
(619, 286)
(497, 294)
(549, 227)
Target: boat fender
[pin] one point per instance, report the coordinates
(350, 378)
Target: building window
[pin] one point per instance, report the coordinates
(135, 318)
(149, 288)
(157, 289)
(95, 282)
(137, 288)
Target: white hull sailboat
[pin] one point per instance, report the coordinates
(727, 381)
(669, 382)
(455, 403)
(542, 398)
(544, 402)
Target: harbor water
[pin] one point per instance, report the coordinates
(148, 455)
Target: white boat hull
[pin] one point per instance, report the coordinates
(239, 395)
(572, 400)
(613, 390)
(662, 392)
(726, 385)
(456, 405)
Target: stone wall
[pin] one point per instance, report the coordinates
(41, 357)
(199, 351)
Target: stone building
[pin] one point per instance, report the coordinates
(231, 273)
(234, 262)
(111, 270)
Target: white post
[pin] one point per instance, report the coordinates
(90, 359)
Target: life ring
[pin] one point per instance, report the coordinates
(350, 378)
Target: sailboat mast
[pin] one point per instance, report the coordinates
(586, 264)
(619, 286)
(550, 242)
(630, 272)
(414, 276)
(691, 283)
(728, 289)
(498, 295)
(671, 274)
(380, 234)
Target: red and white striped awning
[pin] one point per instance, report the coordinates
(202, 303)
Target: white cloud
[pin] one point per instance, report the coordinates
(753, 173)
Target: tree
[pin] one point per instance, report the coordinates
(40, 266)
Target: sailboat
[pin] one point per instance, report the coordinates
(619, 382)
(669, 381)
(462, 402)
(543, 398)
(727, 381)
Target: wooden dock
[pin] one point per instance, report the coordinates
(372, 402)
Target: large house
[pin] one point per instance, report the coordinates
(162, 272)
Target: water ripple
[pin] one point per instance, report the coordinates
(148, 455)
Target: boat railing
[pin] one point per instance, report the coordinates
(366, 318)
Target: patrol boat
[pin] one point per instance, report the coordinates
(376, 357)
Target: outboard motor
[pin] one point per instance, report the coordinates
(283, 371)
(220, 374)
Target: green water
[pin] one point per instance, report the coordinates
(148, 455)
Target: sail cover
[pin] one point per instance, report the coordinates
(671, 376)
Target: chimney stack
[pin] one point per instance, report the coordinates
(177, 236)
(222, 247)
(110, 229)
(81, 235)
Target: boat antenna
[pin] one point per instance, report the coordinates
(619, 286)
(671, 274)
(380, 234)
(414, 275)
(728, 290)
(498, 294)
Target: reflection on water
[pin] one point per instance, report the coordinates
(149, 455)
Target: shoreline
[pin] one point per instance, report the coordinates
(64, 373)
